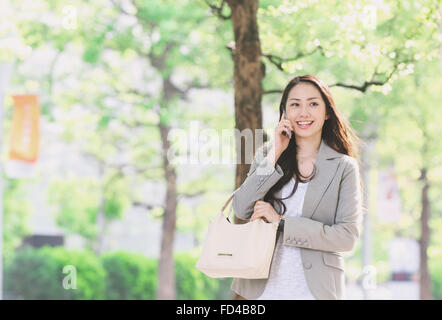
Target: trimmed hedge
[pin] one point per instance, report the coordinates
(435, 266)
(38, 274)
(192, 284)
(130, 276)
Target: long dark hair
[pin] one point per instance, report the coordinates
(336, 132)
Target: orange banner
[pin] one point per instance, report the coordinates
(24, 138)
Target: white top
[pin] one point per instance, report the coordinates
(286, 279)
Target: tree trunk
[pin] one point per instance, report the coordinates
(166, 267)
(248, 75)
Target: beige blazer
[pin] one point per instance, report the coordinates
(330, 222)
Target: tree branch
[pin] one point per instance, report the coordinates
(184, 93)
(278, 61)
(362, 87)
(372, 82)
(190, 195)
(218, 10)
(120, 8)
(135, 124)
(145, 205)
(272, 91)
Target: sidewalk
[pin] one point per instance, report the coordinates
(392, 290)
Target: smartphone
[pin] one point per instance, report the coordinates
(286, 118)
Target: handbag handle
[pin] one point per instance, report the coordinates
(231, 205)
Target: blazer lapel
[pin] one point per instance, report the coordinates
(326, 168)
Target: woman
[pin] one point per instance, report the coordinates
(309, 176)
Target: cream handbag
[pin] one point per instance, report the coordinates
(237, 250)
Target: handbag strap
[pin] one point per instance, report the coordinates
(231, 205)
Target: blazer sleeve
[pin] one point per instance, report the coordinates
(343, 235)
(260, 178)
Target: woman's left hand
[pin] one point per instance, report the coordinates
(264, 210)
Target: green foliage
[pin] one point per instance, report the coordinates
(130, 276)
(38, 274)
(75, 204)
(194, 285)
(435, 267)
(116, 195)
(16, 212)
(93, 49)
(33, 274)
(90, 273)
(109, 45)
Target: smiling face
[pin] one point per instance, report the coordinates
(305, 105)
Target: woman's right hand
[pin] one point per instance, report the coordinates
(282, 141)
